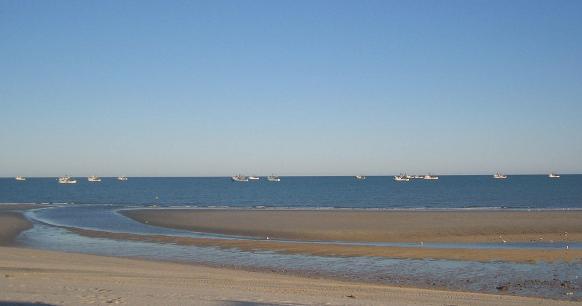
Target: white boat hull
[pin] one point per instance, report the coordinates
(401, 179)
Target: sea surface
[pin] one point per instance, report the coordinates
(449, 192)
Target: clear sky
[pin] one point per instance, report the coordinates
(203, 88)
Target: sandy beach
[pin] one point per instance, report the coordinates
(57, 278)
(12, 222)
(372, 226)
(46, 277)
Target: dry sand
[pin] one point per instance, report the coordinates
(73, 279)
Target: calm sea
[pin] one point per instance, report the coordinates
(519, 191)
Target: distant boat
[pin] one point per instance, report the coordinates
(67, 180)
(254, 178)
(418, 176)
(402, 178)
(430, 177)
(20, 178)
(273, 178)
(499, 176)
(553, 175)
(93, 178)
(361, 177)
(239, 178)
(122, 178)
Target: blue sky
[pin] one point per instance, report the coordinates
(204, 88)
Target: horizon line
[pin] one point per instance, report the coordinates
(301, 175)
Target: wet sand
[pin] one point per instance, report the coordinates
(330, 249)
(35, 276)
(370, 226)
(12, 222)
(374, 226)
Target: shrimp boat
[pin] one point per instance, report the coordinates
(499, 176)
(67, 180)
(430, 177)
(94, 178)
(239, 178)
(553, 175)
(273, 178)
(254, 178)
(401, 178)
(361, 177)
(20, 178)
(122, 178)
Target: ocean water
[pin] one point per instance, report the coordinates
(449, 192)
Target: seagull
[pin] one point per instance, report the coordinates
(268, 238)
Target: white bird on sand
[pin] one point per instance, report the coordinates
(504, 241)
(268, 238)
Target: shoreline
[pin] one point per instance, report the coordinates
(191, 206)
(471, 226)
(266, 228)
(13, 222)
(45, 276)
(330, 249)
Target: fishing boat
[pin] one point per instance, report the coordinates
(401, 178)
(430, 177)
(361, 177)
(20, 178)
(254, 178)
(499, 176)
(273, 178)
(94, 178)
(122, 178)
(67, 180)
(553, 175)
(239, 178)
